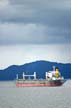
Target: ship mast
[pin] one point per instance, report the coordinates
(17, 76)
(53, 68)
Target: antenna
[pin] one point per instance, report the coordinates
(53, 68)
(17, 76)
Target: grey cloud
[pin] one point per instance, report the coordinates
(53, 15)
(36, 11)
(22, 33)
(31, 34)
(46, 4)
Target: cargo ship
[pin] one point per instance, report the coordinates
(53, 78)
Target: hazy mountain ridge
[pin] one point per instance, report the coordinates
(40, 67)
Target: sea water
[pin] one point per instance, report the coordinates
(35, 97)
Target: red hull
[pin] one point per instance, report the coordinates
(38, 85)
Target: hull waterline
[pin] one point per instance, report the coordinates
(40, 84)
(37, 85)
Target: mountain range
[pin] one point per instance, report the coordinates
(40, 67)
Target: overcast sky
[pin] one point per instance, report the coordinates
(35, 22)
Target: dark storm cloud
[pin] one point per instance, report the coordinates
(52, 16)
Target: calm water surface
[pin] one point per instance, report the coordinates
(35, 97)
